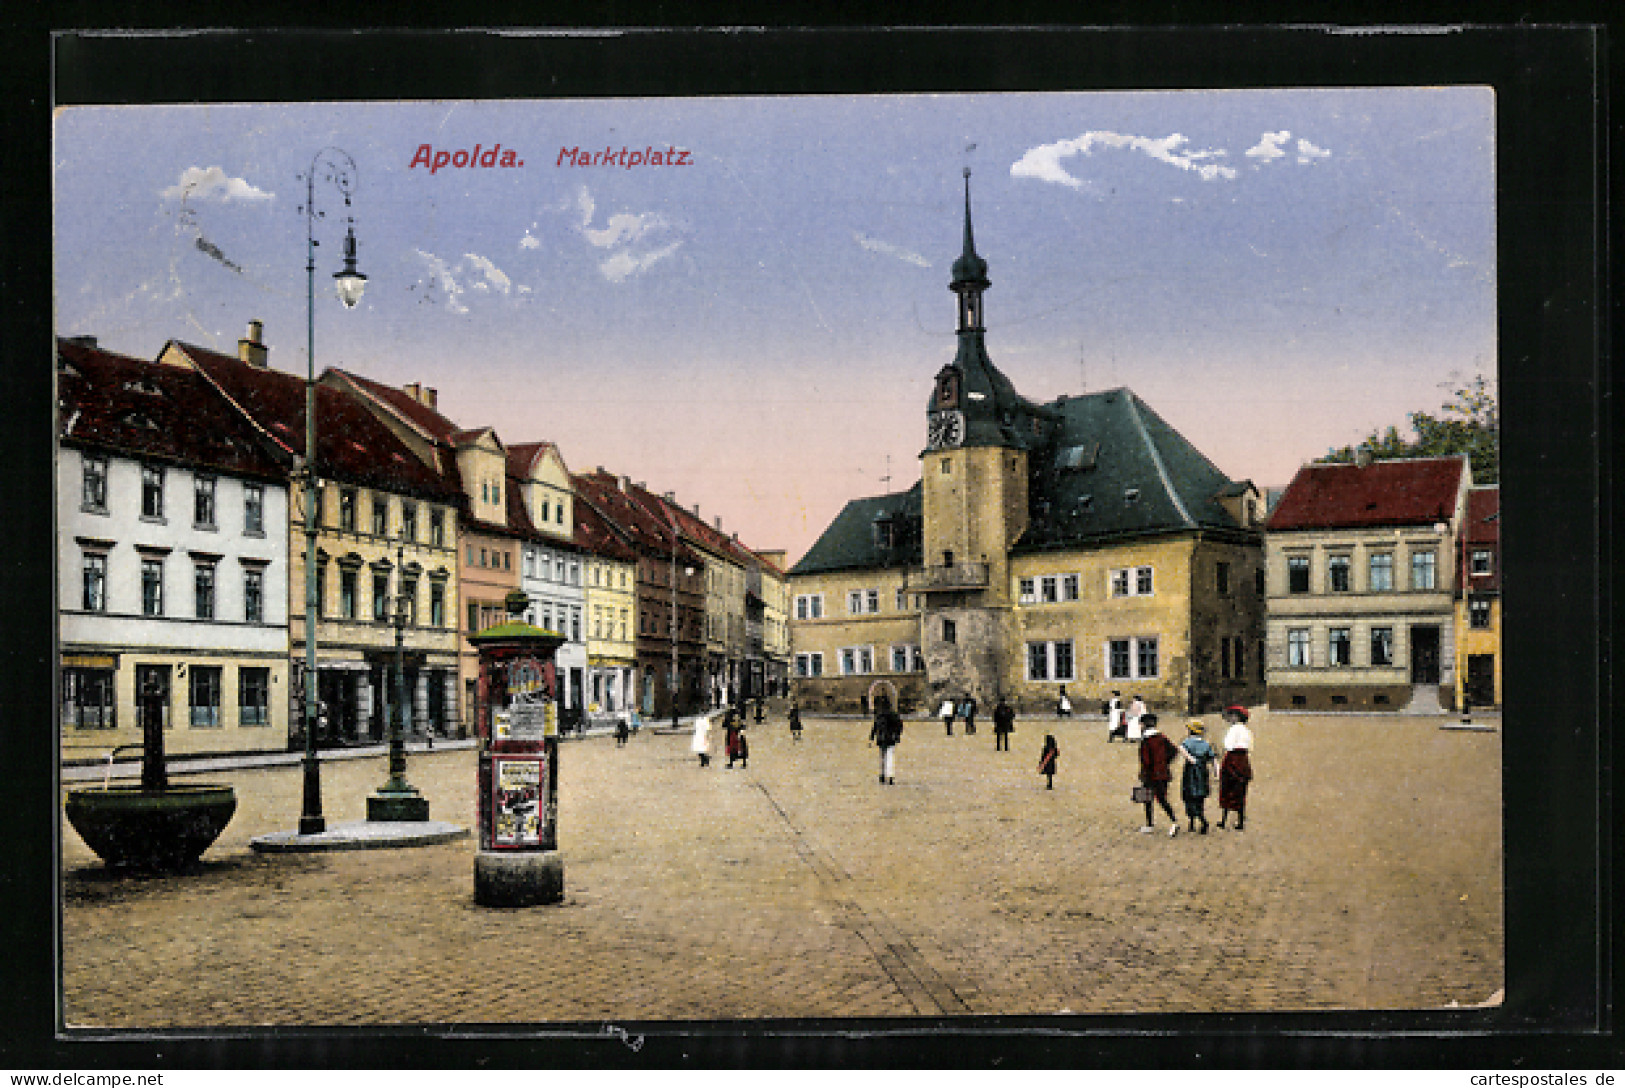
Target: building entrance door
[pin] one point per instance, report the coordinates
(1425, 654)
(1481, 679)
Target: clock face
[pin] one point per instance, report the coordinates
(945, 430)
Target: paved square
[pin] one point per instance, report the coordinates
(1369, 877)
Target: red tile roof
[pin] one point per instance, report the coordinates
(1346, 496)
(1484, 515)
(632, 513)
(148, 409)
(426, 419)
(594, 533)
(352, 445)
(523, 456)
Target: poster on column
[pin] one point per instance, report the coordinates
(516, 801)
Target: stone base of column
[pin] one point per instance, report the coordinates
(518, 878)
(392, 807)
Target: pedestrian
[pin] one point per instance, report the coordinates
(761, 705)
(1048, 759)
(1236, 770)
(622, 730)
(741, 747)
(1004, 723)
(1156, 753)
(795, 722)
(701, 745)
(887, 731)
(946, 713)
(1136, 711)
(1063, 705)
(967, 709)
(1116, 721)
(1194, 781)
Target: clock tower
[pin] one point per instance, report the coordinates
(974, 495)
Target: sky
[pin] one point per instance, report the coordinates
(754, 323)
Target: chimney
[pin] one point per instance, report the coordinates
(670, 496)
(251, 348)
(719, 523)
(421, 393)
(697, 511)
(626, 483)
(601, 471)
(1362, 457)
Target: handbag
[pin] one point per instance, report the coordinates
(1142, 795)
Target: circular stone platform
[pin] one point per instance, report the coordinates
(366, 835)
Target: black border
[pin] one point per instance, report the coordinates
(1557, 498)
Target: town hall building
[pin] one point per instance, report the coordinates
(1081, 545)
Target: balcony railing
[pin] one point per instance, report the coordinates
(952, 577)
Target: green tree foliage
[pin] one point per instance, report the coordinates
(1468, 423)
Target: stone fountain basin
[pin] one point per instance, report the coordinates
(134, 828)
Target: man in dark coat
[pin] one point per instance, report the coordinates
(1004, 723)
(967, 710)
(1156, 757)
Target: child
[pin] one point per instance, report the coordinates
(1193, 787)
(1048, 759)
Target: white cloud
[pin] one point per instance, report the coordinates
(530, 241)
(626, 263)
(622, 234)
(875, 245)
(1308, 152)
(443, 281)
(491, 275)
(1044, 161)
(1268, 147)
(199, 183)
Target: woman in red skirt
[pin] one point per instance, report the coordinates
(1237, 769)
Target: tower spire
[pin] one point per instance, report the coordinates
(970, 275)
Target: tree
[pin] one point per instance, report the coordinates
(1469, 423)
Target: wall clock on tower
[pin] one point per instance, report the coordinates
(945, 430)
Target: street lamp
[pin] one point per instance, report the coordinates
(395, 799)
(339, 168)
(687, 571)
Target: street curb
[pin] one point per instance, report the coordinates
(380, 835)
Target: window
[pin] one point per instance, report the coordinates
(1224, 658)
(1142, 581)
(254, 696)
(1146, 657)
(474, 617)
(857, 661)
(1380, 568)
(810, 664)
(153, 678)
(916, 659)
(1221, 577)
(871, 600)
(203, 591)
(437, 604)
(1297, 648)
(854, 602)
(152, 587)
(1069, 587)
(901, 601)
(1258, 581)
(950, 633)
(507, 559)
(88, 699)
(347, 509)
(1423, 571)
(253, 596)
(1118, 659)
(93, 493)
(380, 596)
(1337, 573)
(1382, 645)
(437, 528)
(558, 512)
(485, 557)
(1297, 574)
(204, 681)
(409, 521)
(1050, 660)
(152, 491)
(899, 659)
(321, 590)
(95, 580)
(347, 594)
(1050, 589)
(1337, 647)
(1481, 560)
(1028, 590)
(1119, 583)
(810, 606)
(623, 625)
(1478, 614)
(204, 488)
(1238, 659)
(254, 509)
(575, 625)
(1131, 582)
(409, 594)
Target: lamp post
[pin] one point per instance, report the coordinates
(339, 168)
(396, 799)
(675, 540)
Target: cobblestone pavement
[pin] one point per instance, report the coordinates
(1369, 877)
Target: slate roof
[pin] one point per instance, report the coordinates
(850, 543)
(1113, 468)
(147, 409)
(1417, 491)
(352, 445)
